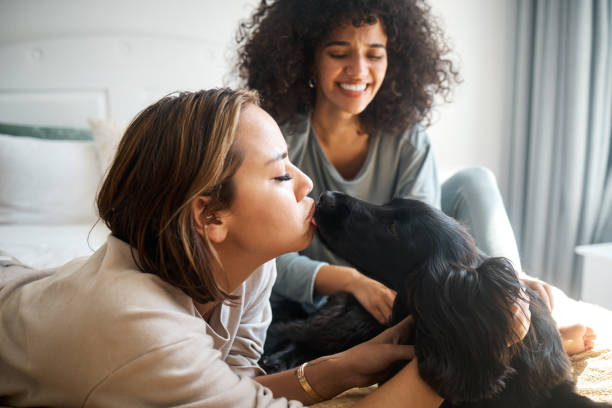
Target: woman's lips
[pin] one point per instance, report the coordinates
(353, 87)
(353, 90)
(310, 217)
(313, 221)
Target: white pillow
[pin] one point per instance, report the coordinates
(47, 181)
(107, 134)
(49, 246)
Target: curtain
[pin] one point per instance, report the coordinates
(559, 181)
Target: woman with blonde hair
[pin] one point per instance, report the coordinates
(172, 310)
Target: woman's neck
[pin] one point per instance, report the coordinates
(236, 269)
(237, 265)
(335, 125)
(342, 140)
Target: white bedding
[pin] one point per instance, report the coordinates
(45, 246)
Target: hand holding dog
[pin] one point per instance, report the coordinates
(380, 364)
(375, 297)
(543, 289)
(374, 361)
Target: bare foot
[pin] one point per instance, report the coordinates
(577, 338)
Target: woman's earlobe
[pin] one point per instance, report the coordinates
(210, 225)
(216, 231)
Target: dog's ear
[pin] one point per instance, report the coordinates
(464, 320)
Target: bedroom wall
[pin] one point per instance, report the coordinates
(469, 131)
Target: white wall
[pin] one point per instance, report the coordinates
(469, 131)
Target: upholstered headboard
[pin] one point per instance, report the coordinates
(65, 80)
(49, 176)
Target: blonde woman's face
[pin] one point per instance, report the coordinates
(271, 214)
(350, 67)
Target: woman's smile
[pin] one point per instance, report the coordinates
(353, 90)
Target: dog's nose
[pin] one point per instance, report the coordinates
(327, 198)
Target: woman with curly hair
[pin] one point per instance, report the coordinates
(351, 82)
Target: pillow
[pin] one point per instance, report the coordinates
(47, 181)
(107, 134)
(44, 132)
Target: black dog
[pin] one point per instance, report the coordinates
(462, 302)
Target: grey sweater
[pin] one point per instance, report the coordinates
(397, 165)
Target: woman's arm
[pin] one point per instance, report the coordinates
(326, 376)
(301, 278)
(365, 364)
(375, 297)
(406, 388)
(360, 366)
(295, 277)
(417, 173)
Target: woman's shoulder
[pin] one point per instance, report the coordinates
(118, 273)
(414, 138)
(120, 297)
(108, 294)
(296, 127)
(99, 313)
(149, 312)
(296, 132)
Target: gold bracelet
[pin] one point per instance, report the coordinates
(305, 384)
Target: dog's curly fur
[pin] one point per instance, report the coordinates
(461, 302)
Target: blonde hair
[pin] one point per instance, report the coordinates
(177, 149)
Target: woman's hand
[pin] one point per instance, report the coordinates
(374, 361)
(368, 363)
(543, 289)
(375, 297)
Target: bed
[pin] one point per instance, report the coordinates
(60, 118)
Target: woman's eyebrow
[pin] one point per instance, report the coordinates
(346, 43)
(332, 43)
(280, 156)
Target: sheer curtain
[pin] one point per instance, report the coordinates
(559, 190)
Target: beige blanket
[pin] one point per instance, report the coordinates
(592, 370)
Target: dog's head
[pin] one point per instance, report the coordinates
(464, 305)
(381, 241)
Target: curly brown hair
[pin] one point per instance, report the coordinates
(277, 46)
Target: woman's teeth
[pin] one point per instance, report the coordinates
(355, 87)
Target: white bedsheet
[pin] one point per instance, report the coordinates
(45, 246)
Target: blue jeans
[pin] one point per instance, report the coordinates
(472, 197)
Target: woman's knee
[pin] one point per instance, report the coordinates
(470, 191)
(474, 181)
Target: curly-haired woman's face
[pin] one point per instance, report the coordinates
(350, 67)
